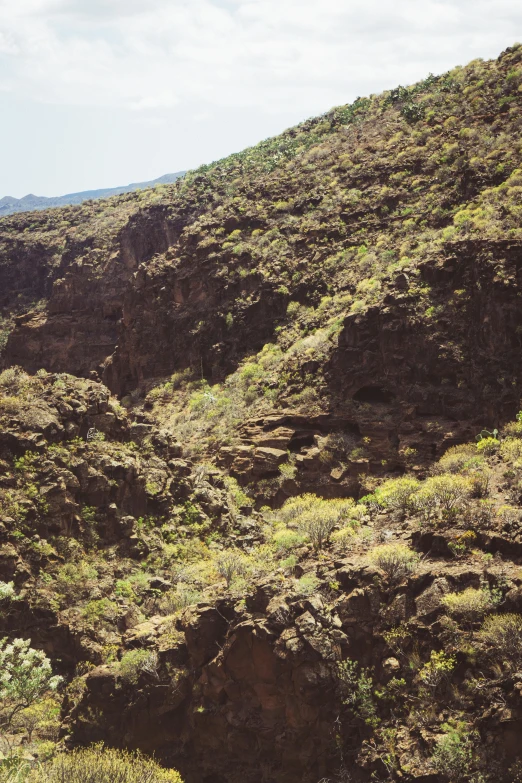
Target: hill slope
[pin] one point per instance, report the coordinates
(260, 457)
(375, 246)
(10, 205)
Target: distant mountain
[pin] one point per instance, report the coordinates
(9, 205)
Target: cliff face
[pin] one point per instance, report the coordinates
(196, 381)
(255, 696)
(102, 532)
(462, 367)
(78, 326)
(363, 206)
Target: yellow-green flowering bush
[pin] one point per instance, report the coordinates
(396, 560)
(103, 765)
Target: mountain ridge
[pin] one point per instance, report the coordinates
(10, 205)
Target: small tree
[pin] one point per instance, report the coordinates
(453, 755)
(230, 563)
(318, 524)
(25, 676)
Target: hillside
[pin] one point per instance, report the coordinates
(10, 205)
(260, 449)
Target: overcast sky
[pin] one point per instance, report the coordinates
(99, 93)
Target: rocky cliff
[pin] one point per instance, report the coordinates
(259, 448)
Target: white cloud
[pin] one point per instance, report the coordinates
(99, 92)
(145, 54)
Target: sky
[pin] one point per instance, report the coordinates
(100, 93)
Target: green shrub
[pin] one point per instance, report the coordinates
(6, 327)
(76, 580)
(285, 539)
(456, 458)
(100, 611)
(103, 765)
(437, 670)
(480, 480)
(470, 605)
(396, 560)
(124, 589)
(294, 507)
(488, 446)
(397, 494)
(13, 378)
(503, 634)
(453, 755)
(344, 536)
(513, 429)
(316, 518)
(511, 451)
(237, 496)
(445, 494)
(135, 661)
(182, 596)
(287, 471)
(307, 585)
